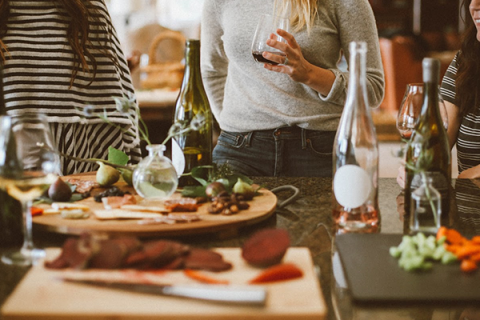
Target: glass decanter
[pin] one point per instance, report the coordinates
(155, 178)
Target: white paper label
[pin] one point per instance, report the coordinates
(178, 158)
(351, 186)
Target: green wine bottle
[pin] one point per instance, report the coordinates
(193, 148)
(428, 150)
(11, 232)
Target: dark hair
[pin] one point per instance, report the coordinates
(82, 16)
(467, 85)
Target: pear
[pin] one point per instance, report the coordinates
(106, 175)
(59, 191)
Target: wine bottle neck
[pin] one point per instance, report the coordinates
(430, 108)
(192, 62)
(357, 76)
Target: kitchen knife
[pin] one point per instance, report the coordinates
(218, 293)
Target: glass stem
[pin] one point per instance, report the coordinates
(27, 225)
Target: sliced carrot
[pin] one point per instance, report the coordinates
(475, 257)
(454, 237)
(467, 251)
(202, 277)
(442, 232)
(453, 248)
(476, 240)
(35, 211)
(468, 265)
(279, 272)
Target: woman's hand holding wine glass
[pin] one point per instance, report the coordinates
(38, 167)
(266, 29)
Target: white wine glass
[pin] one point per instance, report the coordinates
(266, 28)
(411, 107)
(38, 169)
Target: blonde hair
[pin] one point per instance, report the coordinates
(302, 13)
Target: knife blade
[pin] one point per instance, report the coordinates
(219, 293)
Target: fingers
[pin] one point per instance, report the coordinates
(280, 59)
(401, 177)
(288, 37)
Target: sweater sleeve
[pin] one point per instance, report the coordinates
(356, 22)
(214, 62)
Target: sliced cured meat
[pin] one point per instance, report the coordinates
(113, 252)
(182, 205)
(76, 253)
(83, 186)
(156, 254)
(128, 252)
(205, 259)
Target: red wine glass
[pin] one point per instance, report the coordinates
(267, 28)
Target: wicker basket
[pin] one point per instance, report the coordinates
(165, 74)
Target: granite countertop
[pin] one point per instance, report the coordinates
(309, 222)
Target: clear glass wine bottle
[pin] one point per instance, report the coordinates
(428, 151)
(193, 148)
(355, 155)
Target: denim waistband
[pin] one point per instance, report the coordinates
(290, 132)
(291, 129)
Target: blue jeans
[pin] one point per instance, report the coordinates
(286, 151)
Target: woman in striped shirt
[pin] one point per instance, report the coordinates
(460, 91)
(60, 56)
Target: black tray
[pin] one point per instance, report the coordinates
(373, 275)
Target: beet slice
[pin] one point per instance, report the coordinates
(266, 247)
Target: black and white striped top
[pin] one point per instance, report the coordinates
(37, 75)
(468, 140)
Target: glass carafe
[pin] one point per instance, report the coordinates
(155, 178)
(426, 208)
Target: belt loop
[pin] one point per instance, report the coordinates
(303, 134)
(247, 139)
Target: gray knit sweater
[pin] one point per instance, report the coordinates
(245, 97)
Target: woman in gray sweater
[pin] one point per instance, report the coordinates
(280, 120)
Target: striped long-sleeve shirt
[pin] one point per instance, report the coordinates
(37, 78)
(468, 140)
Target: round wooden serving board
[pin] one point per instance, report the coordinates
(261, 208)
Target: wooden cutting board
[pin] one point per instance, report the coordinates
(374, 276)
(261, 208)
(42, 295)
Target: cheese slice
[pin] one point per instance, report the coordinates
(136, 207)
(58, 207)
(123, 214)
(69, 206)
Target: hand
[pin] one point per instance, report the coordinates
(401, 177)
(472, 173)
(401, 205)
(297, 67)
(133, 60)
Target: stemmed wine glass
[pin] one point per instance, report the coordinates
(38, 167)
(411, 107)
(266, 28)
